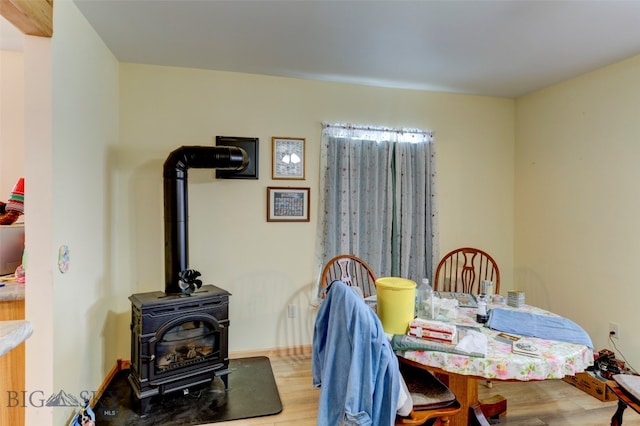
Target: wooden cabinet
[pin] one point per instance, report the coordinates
(12, 369)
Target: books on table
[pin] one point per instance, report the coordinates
(526, 347)
(520, 345)
(507, 338)
(432, 330)
(515, 298)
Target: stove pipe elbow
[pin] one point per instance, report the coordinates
(176, 238)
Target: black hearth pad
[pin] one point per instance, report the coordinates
(252, 393)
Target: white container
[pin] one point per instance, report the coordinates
(486, 288)
(424, 294)
(11, 247)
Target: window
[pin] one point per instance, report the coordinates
(378, 198)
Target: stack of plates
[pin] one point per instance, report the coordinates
(515, 298)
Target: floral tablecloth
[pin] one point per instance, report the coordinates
(558, 358)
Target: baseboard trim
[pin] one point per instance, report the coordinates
(290, 351)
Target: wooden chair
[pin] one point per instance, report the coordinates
(625, 400)
(351, 270)
(433, 401)
(464, 269)
(423, 417)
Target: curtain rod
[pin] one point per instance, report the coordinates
(347, 126)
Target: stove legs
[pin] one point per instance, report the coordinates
(224, 375)
(140, 405)
(145, 404)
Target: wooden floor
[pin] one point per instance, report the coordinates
(299, 397)
(551, 402)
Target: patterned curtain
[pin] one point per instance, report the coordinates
(377, 199)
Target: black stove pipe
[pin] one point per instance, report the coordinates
(176, 238)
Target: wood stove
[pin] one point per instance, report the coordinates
(178, 341)
(179, 337)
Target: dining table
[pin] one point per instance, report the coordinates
(462, 373)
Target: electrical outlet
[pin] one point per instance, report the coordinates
(292, 311)
(614, 330)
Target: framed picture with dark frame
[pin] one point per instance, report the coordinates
(288, 160)
(287, 204)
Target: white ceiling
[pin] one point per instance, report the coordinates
(484, 47)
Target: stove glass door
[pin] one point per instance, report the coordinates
(188, 343)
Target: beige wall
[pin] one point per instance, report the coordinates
(577, 205)
(267, 266)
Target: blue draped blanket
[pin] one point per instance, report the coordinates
(542, 326)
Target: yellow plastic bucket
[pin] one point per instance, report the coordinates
(396, 303)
